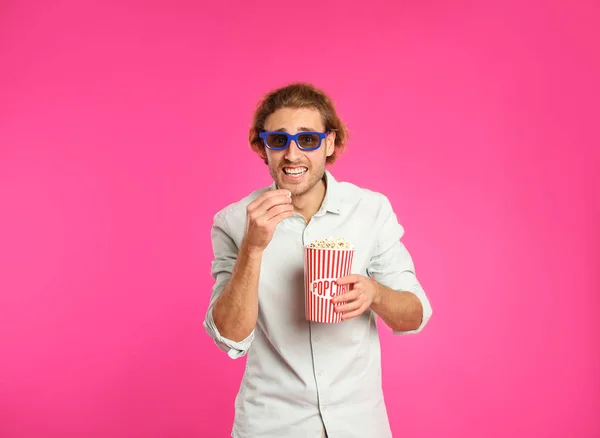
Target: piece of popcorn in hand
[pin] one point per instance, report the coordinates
(330, 243)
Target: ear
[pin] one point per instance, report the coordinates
(262, 153)
(330, 142)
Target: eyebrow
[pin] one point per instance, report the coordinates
(301, 129)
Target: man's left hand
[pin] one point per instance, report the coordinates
(363, 291)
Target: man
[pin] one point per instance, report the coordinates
(306, 379)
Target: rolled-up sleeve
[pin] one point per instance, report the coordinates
(392, 264)
(225, 255)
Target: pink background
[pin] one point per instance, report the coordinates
(123, 129)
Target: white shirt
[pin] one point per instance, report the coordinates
(302, 376)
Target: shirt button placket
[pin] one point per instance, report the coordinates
(319, 374)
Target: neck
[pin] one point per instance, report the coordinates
(310, 202)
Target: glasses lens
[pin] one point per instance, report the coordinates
(276, 140)
(308, 140)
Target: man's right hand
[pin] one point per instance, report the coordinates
(263, 215)
(235, 312)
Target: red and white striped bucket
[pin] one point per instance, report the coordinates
(322, 267)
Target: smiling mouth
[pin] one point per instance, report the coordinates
(295, 171)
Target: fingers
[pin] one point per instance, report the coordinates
(270, 208)
(277, 210)
(264, 214)
(347, 296)
(351, 305)
(273, 201)
(268, 199)
(354, 314)
(349, 279)
(281, 216)
(279, 213)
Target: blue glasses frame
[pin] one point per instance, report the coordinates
(293, 137)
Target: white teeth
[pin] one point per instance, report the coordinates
(295, 172)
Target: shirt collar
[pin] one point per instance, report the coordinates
(332, 202)
(333, 194)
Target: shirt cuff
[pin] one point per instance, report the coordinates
(427, 311)
(233, 349)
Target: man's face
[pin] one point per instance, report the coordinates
(293, 168)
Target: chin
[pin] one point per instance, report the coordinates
(298, 191)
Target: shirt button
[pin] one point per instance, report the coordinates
(323, 408)
(317, 339)
(320, 374)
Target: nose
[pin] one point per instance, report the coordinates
(293, 152)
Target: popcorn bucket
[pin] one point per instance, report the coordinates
(322, 267)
